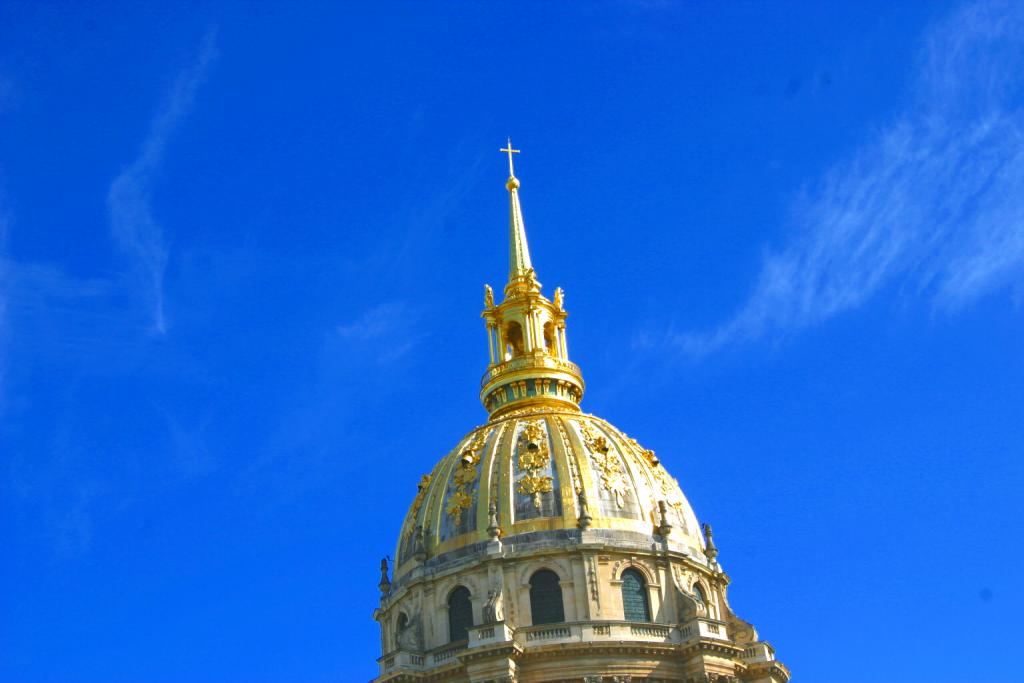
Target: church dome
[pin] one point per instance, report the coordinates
(543, 468)
(548, 545)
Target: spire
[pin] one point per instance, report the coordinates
(529, 358)
(519, 265)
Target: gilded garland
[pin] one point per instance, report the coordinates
(607, 463)
(465, 475)
(534, 455)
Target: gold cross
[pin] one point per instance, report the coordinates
(510, 152)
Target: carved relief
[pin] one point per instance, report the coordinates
(465, 475)
(410, 635)
(634, 562)
(409, 528)
(595, 593)
(526, 412)
(533, 485)
(689, 605)
(610, 469)
(421, 492)
(492, 610)
(534, 455)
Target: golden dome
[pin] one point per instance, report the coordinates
(539, 464)
(548, 545)
(543, 468)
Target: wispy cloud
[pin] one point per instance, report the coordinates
(932, 204)
(131, 214)
(387, 326)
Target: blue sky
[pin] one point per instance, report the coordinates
(242, 254)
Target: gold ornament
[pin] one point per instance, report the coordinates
(458, 502)
(534, 455)
(606, 462)
(533, 485)
(465, 475)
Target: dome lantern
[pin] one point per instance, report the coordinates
(529, 354)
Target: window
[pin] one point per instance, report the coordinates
(513, 340)
(550, 344)
(401, 624)
(460, 614)
(546, 598)
(698, 593)
(634, 596)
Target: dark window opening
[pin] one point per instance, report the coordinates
(460, 614)
(634, 596)
(546, 598)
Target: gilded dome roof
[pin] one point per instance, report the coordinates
(543, 469)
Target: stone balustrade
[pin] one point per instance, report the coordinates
(758, 652)
(703, 628)
(401, 660)
(490, 634)
(596, 631)
(572, 632)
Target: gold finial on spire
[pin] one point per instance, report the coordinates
(520, 269)
(510, 151)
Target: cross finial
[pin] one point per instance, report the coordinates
(510, 152)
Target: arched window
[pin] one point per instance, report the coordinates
(513, 340)
(460, 614)
(546, 598)
(698, 593)
(550, 342)
(634, 596)
(401, 623)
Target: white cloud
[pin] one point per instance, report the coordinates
(132, 222)
(933, 203)
(388, 327)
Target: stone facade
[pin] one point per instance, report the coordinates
(685, 639)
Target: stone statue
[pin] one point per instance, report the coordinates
(410, 636)
(664, 526)
(559, 298)
(584, 519)
(419, 549)
(488, 297)
(492, 611)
